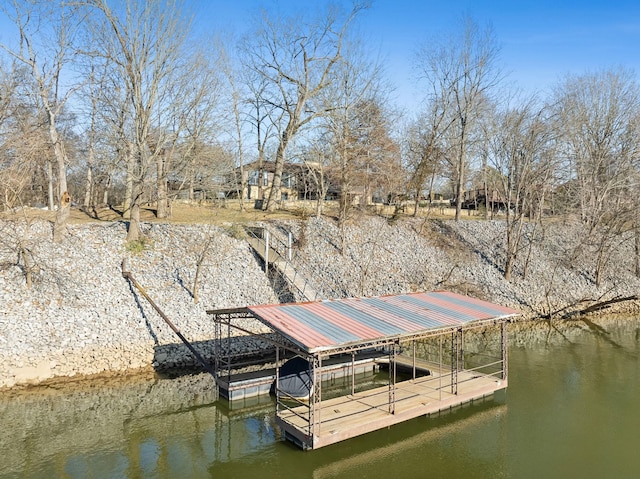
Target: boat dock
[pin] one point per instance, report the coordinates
(352, 415)
(421, 338)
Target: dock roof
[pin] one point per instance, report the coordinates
(327, 325)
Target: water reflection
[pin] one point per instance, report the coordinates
(571, 410)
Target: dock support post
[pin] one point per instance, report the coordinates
(455, 358)
(392, 378)
(315, 399)
(353, 373)
(413, 343)
(277, 379)
(503, 334)
(440, 369)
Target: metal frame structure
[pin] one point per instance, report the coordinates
(304, 422)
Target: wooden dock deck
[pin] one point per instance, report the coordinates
(356, 414)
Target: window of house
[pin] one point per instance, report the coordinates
(288, 180)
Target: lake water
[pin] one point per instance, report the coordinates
(572, 409)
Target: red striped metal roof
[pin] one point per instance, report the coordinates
(331, 324)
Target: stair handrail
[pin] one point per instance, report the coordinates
(285, 253)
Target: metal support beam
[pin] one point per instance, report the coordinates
(393, 352)
(353, 373)
(315, 398)
(504, 339)
(277, 388)
(413, 343)
(440, 369)
(455, 359)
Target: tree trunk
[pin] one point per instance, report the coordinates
(510, 256)
(461, 167)
(50, 197)
(105, 194)
(162, 188)
(275, 193)
(88, 186)
(128, 193)
(64, 208)
(134, 232)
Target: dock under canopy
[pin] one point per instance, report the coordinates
(421, 338)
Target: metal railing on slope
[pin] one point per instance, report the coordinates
(280, 253)
(126, 274)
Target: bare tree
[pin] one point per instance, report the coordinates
(317, 158)
(296, 59)
(356, 127)
(521, 150)
(601, 140)
(424, 151)
(264, 118)
(461, 72)
(143, 40)
(47, 32)
(231, 74)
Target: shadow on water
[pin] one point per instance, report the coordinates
(565, 330)
(175, 359)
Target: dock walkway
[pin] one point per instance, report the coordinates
(356, 414)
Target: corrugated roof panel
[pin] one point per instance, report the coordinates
(424, 321)
(291, 327)
(304, 314)
(489, 308)
(437, 316)
(384, 313)
(452, 311)
(377, 328)
(342, 321)
(328, 324)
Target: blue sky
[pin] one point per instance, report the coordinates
(541, 40)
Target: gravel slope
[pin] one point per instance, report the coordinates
(80, 316)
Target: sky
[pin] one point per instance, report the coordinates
(541, 41)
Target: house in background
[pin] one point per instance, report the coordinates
(297, 181)
(301, 181)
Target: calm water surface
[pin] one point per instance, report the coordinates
(572, 410)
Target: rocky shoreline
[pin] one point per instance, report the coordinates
(81, 317)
